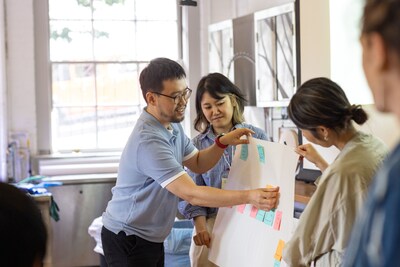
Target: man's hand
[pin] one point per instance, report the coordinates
(233, 137)
(264, 198)
(202, 238)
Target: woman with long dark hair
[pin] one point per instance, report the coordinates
(322, 112)
(219, 107)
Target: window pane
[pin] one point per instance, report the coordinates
(266, 59)
(117, 84)
(97, 50)
(142, 100)
(71, 41)
(73, 85)
(157, 39)
(285, 72)
(156, 10)
(114, 40)
(215, 51)
(76, 128)
(69, 9)
(115, 125)
(120, 9)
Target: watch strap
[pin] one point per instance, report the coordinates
(218, 143)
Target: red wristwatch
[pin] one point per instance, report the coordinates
(218, 143)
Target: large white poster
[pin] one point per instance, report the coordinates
(243, 235)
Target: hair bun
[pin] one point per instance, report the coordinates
(358, 114)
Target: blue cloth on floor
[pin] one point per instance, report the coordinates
(177, 244)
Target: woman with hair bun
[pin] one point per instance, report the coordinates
(321, 110)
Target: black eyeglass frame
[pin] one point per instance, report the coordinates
(185, 95)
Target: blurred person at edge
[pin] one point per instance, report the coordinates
(321, 110)
(375, 240)
(219, 107)
(151, 176)
(23, 234)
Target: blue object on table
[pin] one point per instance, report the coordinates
(298, 209)
(41, 189)
(177, 244)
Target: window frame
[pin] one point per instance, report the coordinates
(43, 78)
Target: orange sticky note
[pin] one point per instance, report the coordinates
(241, 208)
(279, 249)
(278, 219)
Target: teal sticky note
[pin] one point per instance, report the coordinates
(244, 152)
(260, 215)
(261, 153)
(269, 217)
(277, 263)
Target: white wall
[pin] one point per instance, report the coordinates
(3, 97)
(21, 113)
(382, 125)
(346, 52)
(315, 57)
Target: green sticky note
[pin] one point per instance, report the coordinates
(277, 263)
(261, 153)
(260, 215)
(269, 217)
(244, 152)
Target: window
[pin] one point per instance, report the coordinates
(97, 49)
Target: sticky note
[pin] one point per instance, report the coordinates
(279, 249)
(244, 152)
(261, 153)
(253, 212)
(241, 208)
(278, 219)
(277, 263)
(260, 215)
(269, 217)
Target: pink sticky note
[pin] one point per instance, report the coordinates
(253, 212)
(278, 218)
(241, 208)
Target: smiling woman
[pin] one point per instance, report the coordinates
(219, 106)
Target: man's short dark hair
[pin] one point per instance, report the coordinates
(159, 70)
(23, 234)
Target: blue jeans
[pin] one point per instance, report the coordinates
(131, 251)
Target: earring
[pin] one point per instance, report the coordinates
(326, 138)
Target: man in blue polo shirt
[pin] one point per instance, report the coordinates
(151, 176)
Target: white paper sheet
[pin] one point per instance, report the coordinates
(239, 239)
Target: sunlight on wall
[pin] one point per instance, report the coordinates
(346, 63)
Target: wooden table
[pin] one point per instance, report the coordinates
(303, 191)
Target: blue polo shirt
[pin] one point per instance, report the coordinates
(152, 159)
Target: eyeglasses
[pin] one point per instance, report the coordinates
(184, 95)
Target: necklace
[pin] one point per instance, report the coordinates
(228, 160)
